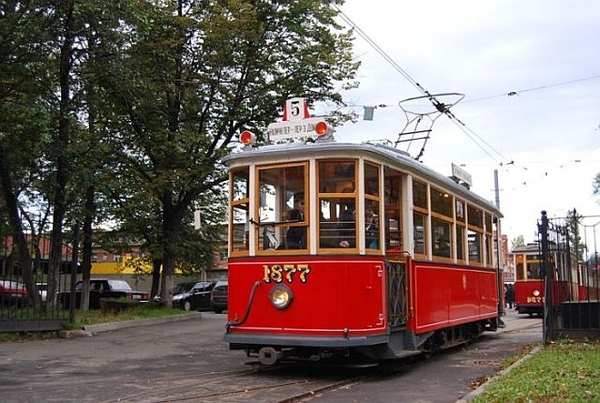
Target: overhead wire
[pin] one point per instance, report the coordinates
(436, 103)
(542, 87)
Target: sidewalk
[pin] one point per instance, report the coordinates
(513, 322)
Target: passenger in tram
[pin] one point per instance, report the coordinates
(371, 231)
(347, 227)
(347, 230)
(296, 236)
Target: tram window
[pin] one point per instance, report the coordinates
(371, 180)
(393, 226)
(474, 245)
(488, 249)
(460, 211)
(534, 271)
(460, 243)
(520, 271)
(337, 176)
(239, 188)
(441, 202)
(419, 231)
(337, 223)
(475, 217)
(372, 224)
(441, 238)
(488, 222)
(281, 209)
(239, 241)
(419, 194)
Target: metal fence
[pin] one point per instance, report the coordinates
(18, 313)
(571, 277)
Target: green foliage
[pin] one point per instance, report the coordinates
(562, 372)
(121, 111)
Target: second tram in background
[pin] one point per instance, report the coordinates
(354, 253)
(569, 278)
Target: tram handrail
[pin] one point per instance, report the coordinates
(237, 322)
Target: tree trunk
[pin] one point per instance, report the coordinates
(90, 208)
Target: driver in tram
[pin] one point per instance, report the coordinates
(296, 236)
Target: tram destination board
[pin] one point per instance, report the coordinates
(293, 129)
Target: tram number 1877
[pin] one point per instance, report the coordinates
(278, 273)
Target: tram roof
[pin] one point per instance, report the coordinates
(397, 158)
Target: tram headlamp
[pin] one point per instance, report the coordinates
(322, 128)
(536, 293)
(281, 296)
(247, 138)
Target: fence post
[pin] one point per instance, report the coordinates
(547, 275)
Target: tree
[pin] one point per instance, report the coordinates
(596, 185)
(518, 241)
(573, 227)
(25, 115)
(198, 72)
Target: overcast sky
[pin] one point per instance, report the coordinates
(544, 138)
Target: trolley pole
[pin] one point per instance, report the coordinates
(501, 302)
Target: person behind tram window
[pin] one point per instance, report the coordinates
(371, 231)
(347, 227)
(296, 236)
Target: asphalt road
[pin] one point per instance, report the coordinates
(188, 361)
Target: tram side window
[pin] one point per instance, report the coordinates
(420, 213)
(337, 201)
(239, 191)
(474, 245)
(475, 234)
(460, 242)
(337, 223)
(372, 224)
(419, 231)
(534, 271)
(441, 238)
(520, 271)
(392, 199)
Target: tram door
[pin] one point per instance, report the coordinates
(396, 260)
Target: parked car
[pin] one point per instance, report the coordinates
(218, 296)
(103, 288)
(13, 293)
(192, 296)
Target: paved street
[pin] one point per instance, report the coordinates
(188, 360)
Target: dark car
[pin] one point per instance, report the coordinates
(218, 296)
(102, 288)
(192, 296)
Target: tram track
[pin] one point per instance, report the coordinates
(273, 384)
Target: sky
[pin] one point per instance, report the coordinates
(543, 139)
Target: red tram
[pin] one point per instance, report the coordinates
(570, 280)
(354, 252)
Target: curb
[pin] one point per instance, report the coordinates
(473, 394)
(90, 330)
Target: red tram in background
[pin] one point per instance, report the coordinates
(354, 253)
(571, 281)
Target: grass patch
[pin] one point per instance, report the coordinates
(565, 372)
(141, 312)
